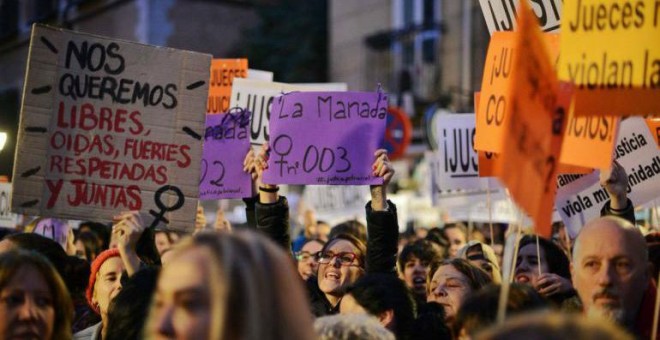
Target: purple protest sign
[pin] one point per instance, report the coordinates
(325, 138)
(226, 142)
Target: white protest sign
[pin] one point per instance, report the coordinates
(259, 75)
(257, 96)
(501, 15)
(109, 125)
(7, 218)
(582, 199)
(332, 202)
(449, 198)
(458, 167)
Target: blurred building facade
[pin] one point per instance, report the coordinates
(427, 52)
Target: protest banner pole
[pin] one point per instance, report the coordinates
(490, 216)
(655, 311)
(538, 254)
(515, 252)
(508, 262)
(568, 244)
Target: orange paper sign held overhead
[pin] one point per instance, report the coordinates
(537, 117)
(495, 87)
(223, 72)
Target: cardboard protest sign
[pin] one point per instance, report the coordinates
(610, 50)
(449, 198)
(109, 125)
(459, 166)
(501, 15)
(7, 218)
(325, 138)
(257, 96)
(333, 202)
(226, 143)
(533, 133)
(580, 201)
(223, 72)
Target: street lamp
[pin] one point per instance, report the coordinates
(3, 140)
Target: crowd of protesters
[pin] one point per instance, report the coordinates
(351, 281)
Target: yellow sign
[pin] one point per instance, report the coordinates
(610, 50)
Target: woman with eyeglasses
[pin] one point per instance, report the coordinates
(344, 258)
(307, 258)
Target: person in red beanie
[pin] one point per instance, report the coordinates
(104, 285)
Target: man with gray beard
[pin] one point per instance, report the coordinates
(611, 273)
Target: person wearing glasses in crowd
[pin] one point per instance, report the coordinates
(344, 258)
(307, 258)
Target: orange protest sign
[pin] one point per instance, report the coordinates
(486, 159)
(537, 118)
(491, 111)
(654, 126)
(223, 72)
(588, 142)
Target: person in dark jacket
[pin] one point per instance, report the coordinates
(343, 258)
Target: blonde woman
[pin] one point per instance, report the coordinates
(229, 286)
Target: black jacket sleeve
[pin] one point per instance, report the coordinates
(250, 212)
(628, 213)
(382, 239)
(273, 220)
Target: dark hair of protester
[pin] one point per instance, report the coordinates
(129, 309)
(91, 245)
(4, 232)
(11, 264)
(554, 326)
(477, 277)
(146, 248)
(46, 247)
(421, 249)
(379, 293)
(479, 310)
(653, 242)
(101, 230)
(430, 323)
(351, 227)
(361, 247)
(78, 276)
(555, 257)
(437, 236)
